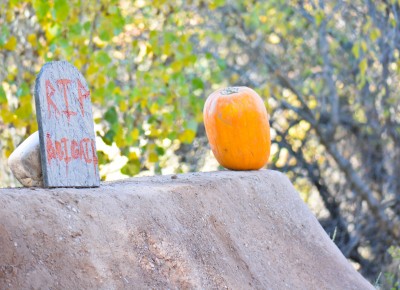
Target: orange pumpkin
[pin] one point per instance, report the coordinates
(237, 128)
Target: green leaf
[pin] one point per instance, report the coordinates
(87, 26)
(105, 35)
(61, 8)
(13, 2)
(160, 151)
(102, 157)
(3, 97)
(111, 115)
(108, 138)
(132, 167)
(103, 58)
(76, 29)
(5, 32)
(105, 31)
(23, 90)
(221, 64)
(41, 7)
(197, 83)
(118, 22)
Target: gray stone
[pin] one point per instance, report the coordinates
(25, 163)
(66, 129)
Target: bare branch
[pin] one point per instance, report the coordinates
(328, 75)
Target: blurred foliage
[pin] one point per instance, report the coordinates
(147, 85)
(391, 278)
(328, 72)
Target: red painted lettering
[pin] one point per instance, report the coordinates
(49, 94)
(94, 155)
(85, 153)
(75, 149)
(83, 94)
(67, 151)
(63, 83)
(59, 152)
(66, 156)
(51, 152)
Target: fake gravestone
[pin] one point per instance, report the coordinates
(66, 130)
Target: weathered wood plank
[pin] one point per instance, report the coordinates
(66, 130)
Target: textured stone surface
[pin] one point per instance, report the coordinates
(24, 162)
(236, 230)
(66, 129)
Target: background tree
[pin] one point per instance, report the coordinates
(328, 72)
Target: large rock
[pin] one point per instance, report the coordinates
(25, 163)
(236, 230)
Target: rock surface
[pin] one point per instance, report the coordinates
(236, 230)
(25, 163)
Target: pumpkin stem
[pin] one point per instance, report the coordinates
(229, 91)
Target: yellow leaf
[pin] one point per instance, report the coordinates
(133, 155)
(234, 78)
(10, 15)
(117, 90)
(176, 66)
(263, 18)
(319, 17)
(375, 34)
(165, 77)
(32, 39)
(8, 152)
(154, 108)
(364, 46)
(11, 43)
(153, 157)
(356, 49)
(51, 31)
(123, 106)
(11, 76)
(187, 136)
(363, 66)
(28, 76)
(153, 131)
(92, 68)
(78, 63)
(120, 139)
(100, 81)
(34, 126)
(24, 111)
(143, 103)
(135, 134)
(266, 93)
(7, 116)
